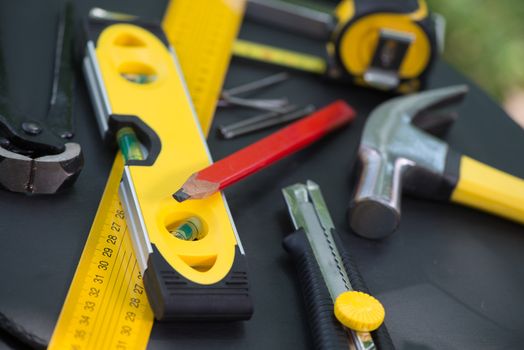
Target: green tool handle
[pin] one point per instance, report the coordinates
(327, 332)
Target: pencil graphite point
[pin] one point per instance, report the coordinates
(180, 195)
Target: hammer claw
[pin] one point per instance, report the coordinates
(437, 123)
(431, 102)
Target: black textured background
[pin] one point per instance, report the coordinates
(450, 278)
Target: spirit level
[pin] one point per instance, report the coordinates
(183, 279)
(73, 329)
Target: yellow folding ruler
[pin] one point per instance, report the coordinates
(106, 306)
(186, 24)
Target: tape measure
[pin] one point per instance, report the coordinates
(389, 45)
(384, 44)
(90, 317)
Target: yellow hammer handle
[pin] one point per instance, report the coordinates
(486, 188)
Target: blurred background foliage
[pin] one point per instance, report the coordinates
(485, 40)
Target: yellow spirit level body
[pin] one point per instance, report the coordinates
(183, 279)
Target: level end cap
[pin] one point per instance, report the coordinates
(359, 311)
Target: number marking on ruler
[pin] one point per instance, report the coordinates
(108, 309)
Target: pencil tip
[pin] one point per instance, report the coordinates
(180, 196)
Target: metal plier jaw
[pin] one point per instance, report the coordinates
(35, 156)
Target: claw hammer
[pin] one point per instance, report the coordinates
(398, 155)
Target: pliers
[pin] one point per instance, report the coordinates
(35, 155)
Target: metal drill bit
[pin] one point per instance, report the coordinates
(257, 84)
(258, 118)
(269, 120)
(98, 12)
(274, 105)
(229, 97)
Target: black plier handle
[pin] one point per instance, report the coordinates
(35, 156)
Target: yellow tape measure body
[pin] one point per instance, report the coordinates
(356, 37)
(73, 330)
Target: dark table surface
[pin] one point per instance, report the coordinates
(449, 278)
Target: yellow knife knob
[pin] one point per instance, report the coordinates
(359, 311)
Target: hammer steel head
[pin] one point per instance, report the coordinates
(397, 154)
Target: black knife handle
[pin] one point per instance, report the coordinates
(328, 333)
(381, 336)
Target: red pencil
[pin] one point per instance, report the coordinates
(265, 152)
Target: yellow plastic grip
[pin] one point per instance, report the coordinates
(359, 311)
(483, 187)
